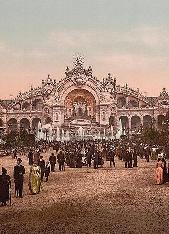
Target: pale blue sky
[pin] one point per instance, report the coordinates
(129, 38)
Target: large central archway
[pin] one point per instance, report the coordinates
(80, 103)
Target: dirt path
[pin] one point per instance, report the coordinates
(91, 201)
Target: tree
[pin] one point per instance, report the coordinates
(150, 136)
(11, 139)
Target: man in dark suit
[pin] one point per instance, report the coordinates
(61, 160)
(30, 157)
(41, 164)
(96, 159)
(111, 155)
(130, 158)
(90, 155)
(52, 160)
(19, 172)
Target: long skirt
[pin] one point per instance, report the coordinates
(159, 175)
(34, 184)
(4, 193)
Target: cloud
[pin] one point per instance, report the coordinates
(148, 36)
(137, 56)
(139, 38)
(141, 41)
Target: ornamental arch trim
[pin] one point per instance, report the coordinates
(85, 87)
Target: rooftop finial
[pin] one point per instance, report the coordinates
(78, 61)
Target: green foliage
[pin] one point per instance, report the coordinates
(11, 139)
(150, 136)
(153, 136)
(23, 138)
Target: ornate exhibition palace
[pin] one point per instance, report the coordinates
(80, 104)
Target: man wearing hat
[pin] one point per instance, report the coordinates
(41, 163)
(52, 160)
(19, 172)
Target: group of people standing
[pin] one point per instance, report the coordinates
(38, 170)
(129, 156)
(72, 154)
(5, 183)
(5, 187)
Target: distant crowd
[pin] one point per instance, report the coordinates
(75, 154)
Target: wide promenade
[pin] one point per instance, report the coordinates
(90, 201)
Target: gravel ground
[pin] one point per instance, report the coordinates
(90, 201)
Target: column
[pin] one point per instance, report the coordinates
(127, 101)
(129, 118)
(141, 117)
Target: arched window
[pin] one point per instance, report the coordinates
(24, 124)
(125, 122)
(160, 121)
(12, 124)
(135, 122)
(37, 104)
(121, 102)
(26, 106)
(147, 121)
(133, 103)
(35, 123)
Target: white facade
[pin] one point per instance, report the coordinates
(80, 99)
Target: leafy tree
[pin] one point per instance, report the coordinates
(150, 136)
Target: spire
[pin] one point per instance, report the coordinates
(78, 61)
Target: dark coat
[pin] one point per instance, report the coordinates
(19, 172)
(61, 157)
(96, 156)
(52, 159)
(41, 163)
(125, 155)
(111, 155)
(47, 170)
(5, 184)
(30, 157)
(89, 156)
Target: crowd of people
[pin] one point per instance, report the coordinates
(38, 170)
(74, 154)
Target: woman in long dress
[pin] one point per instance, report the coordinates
(159, 171)
(35, 179)
(5, 185)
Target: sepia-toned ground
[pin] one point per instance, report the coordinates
(90, 201)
